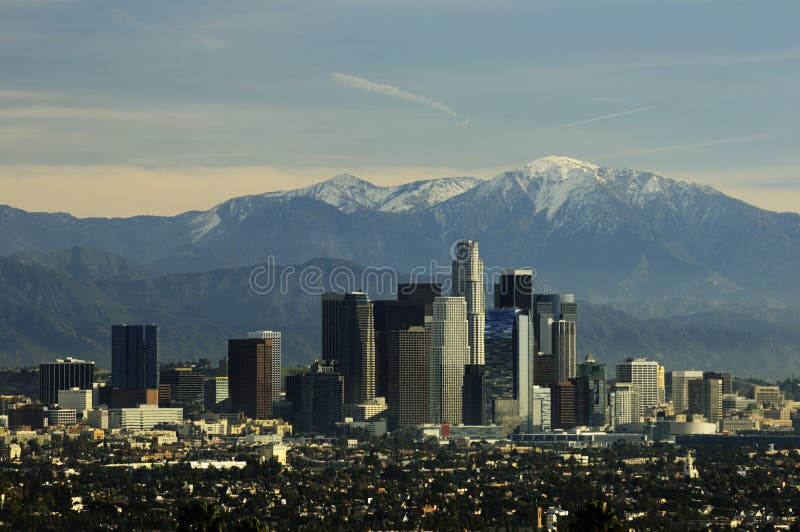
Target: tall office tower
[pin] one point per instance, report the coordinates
(695, 396)
(545, 369)
(414, 304)
(565, 347)
(509, 367)
(216, 394)
(321, 398)
(355, 358)
(662, 386)
(473, 396)
(644, 374)
(548, 309)
(596, 390)
(331, 324)
(407, 396)
(467, 277)
(726, 378)
(276, 359)
(448, 355)
(680, 388)
(134, 357)
(514, 289)
(63, 374)
(624, 404)
(250, 376)
(186, 388)
(562, 405)
(712, 399)
(540, 409)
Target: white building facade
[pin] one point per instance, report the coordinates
(449, 353)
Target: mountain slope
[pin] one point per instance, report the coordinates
(605, 234)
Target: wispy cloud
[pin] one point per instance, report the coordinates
(130, 20)
(28, 95)
(201, 40)
(668, 148)
(607, 117)
(209, 43)
(366, 85)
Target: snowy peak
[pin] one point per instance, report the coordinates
(350, 194)
(556, 168)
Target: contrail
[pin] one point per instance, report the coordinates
(362, 84)
(606, 117)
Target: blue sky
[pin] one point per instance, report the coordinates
(116, 108)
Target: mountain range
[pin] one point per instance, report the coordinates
(655, 258)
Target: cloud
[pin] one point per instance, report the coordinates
(210, 43)
(669, 148)
(606, 117)
(366, 85)
(12, 94)
(130, 20)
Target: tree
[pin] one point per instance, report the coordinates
(597, 517)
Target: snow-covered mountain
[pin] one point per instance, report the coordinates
(607, 234)
(349, 193)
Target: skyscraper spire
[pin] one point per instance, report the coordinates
(467, 276)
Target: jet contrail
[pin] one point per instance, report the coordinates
(606, 117)
(362, 84)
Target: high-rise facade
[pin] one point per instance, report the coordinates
(514, 288)
(250, 376)
(643, 374)
(413, 305)
(63, 374)
(509, 366)
(275, 336)
(680, 388)
(540, 409)
(186, 388)
(467, 278)
(216, 394)
(549, 308)
(331, 324)
(355, 357)
(408, 366)
(562, 405)
(134, 357)
(712, 399)
(624, 403)
(565, 348)
(449, 354)
(319, 398)
(594, 403)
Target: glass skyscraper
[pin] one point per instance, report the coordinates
(134, 357)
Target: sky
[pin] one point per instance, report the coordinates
(149, 107)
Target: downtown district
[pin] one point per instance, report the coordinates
(425, 369)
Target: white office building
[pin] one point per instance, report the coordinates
(76, 399)
(275, 336)
(467, 278)
(145, 417)
(540, 409)
(643, 374)
(449, 353)
(624, 404)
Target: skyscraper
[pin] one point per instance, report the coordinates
(509, 365)
(680, 388)
(408, 366)
(514, 289)
(540, 409)
(216, 394)
(134, 357)
(712, 399)
(595, 401)
(320, 398)
(186, 388)
(624, 403)
(565, 348)
(63, 374)
(562, 405)
(467, 277)
(331, 316)
(250, 376)
(643, 374)
(548, 309)
(355, 357)
(414, 304)
(449, 353)
(276, 359)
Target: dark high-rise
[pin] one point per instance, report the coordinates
(514, 289)
(331, 324)
(250, 376)
(186, 388)
(63, 375)
(552, 308)
(508, 377)
(407, 395)
(134, 357)
(316, 397)
(592, 393)
(473, 395)
(355, 352)
(562, 405)
(414, 303)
